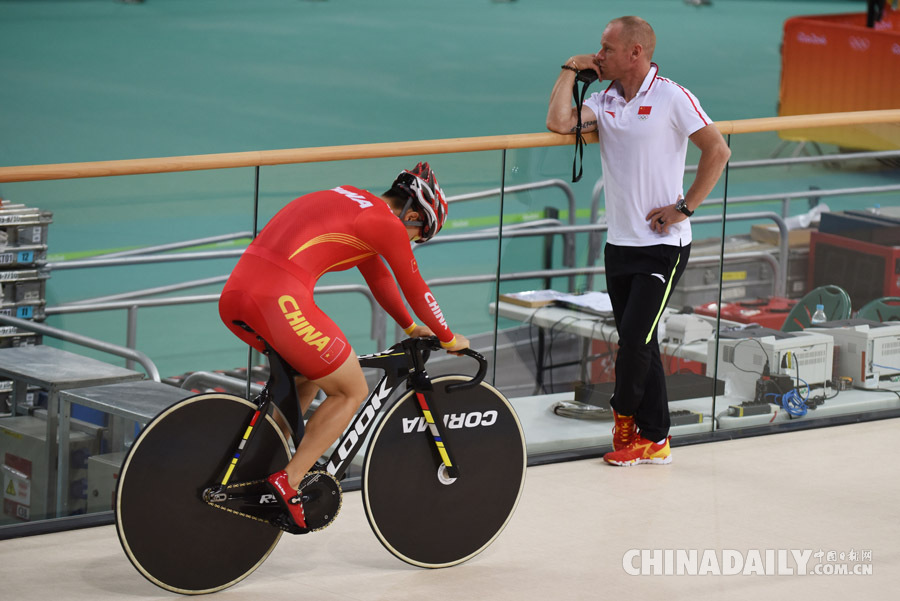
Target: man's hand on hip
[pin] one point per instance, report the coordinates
(661, 218)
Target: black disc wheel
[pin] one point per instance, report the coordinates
(416, 510)
(175, 539)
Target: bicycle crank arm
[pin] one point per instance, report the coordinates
(321, 494)
(219, 492)
(243, 497)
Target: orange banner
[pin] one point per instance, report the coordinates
(834, 63)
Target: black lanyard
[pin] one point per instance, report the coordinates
(587, 76)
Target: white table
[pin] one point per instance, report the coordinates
(594, 327)
(55, 370)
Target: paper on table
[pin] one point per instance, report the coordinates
(532, 298)
(595, 301)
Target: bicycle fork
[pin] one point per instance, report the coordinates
(403, 362)
(422, 387)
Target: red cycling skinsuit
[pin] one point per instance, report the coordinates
(271, 287)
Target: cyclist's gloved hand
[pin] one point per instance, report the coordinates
(420, 332)
(462, 343)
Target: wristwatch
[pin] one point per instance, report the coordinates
(681, 206)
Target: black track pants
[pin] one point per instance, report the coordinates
(639, 280)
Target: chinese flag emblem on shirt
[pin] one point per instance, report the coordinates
(644, 112)
(334, 349)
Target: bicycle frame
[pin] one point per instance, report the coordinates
(400, 463)
(281, 391)
(405, 361)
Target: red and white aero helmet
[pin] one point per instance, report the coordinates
(421, 186)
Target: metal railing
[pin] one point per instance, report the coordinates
(133, 305)
(130, 354)
(550, 183)
(131, 301)
(780, 267)
(594, 242)
(786, 197)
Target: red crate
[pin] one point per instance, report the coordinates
(603, 368)
(866, 271)
(767, 312)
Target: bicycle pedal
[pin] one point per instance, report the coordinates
(283, 522)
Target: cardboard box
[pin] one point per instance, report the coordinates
(769, 234)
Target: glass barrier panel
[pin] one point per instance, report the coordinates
(556, 319)
(131, 216)
(520, 268)
(460, 271)
(459, 264)
(50, 229)
(543, 348)
(841, 209)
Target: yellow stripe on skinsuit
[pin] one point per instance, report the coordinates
(345, 239)
(665, 298)
(351, 259)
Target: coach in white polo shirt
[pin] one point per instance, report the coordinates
(644, 122)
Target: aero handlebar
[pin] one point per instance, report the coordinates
(431, 343)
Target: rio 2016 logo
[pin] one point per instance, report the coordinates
(859, 44)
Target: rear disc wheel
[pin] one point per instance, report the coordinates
(175, 539)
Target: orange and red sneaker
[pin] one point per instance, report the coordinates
(289, 497)
(641, 450)
(624, 431)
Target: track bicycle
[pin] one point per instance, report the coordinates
(441, 475)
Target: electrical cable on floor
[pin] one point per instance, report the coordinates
(607, 339)
(568, 319)
(579, 410)
(534, 353)
(795, 404)
(888, 390)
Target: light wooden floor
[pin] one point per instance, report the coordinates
(832, 489)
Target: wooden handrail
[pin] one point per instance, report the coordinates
(396, 149)
(747, 126)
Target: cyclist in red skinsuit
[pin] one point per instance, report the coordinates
(271, 291)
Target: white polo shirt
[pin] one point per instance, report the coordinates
(643, 144)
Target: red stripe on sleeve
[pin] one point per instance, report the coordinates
(693, 104)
